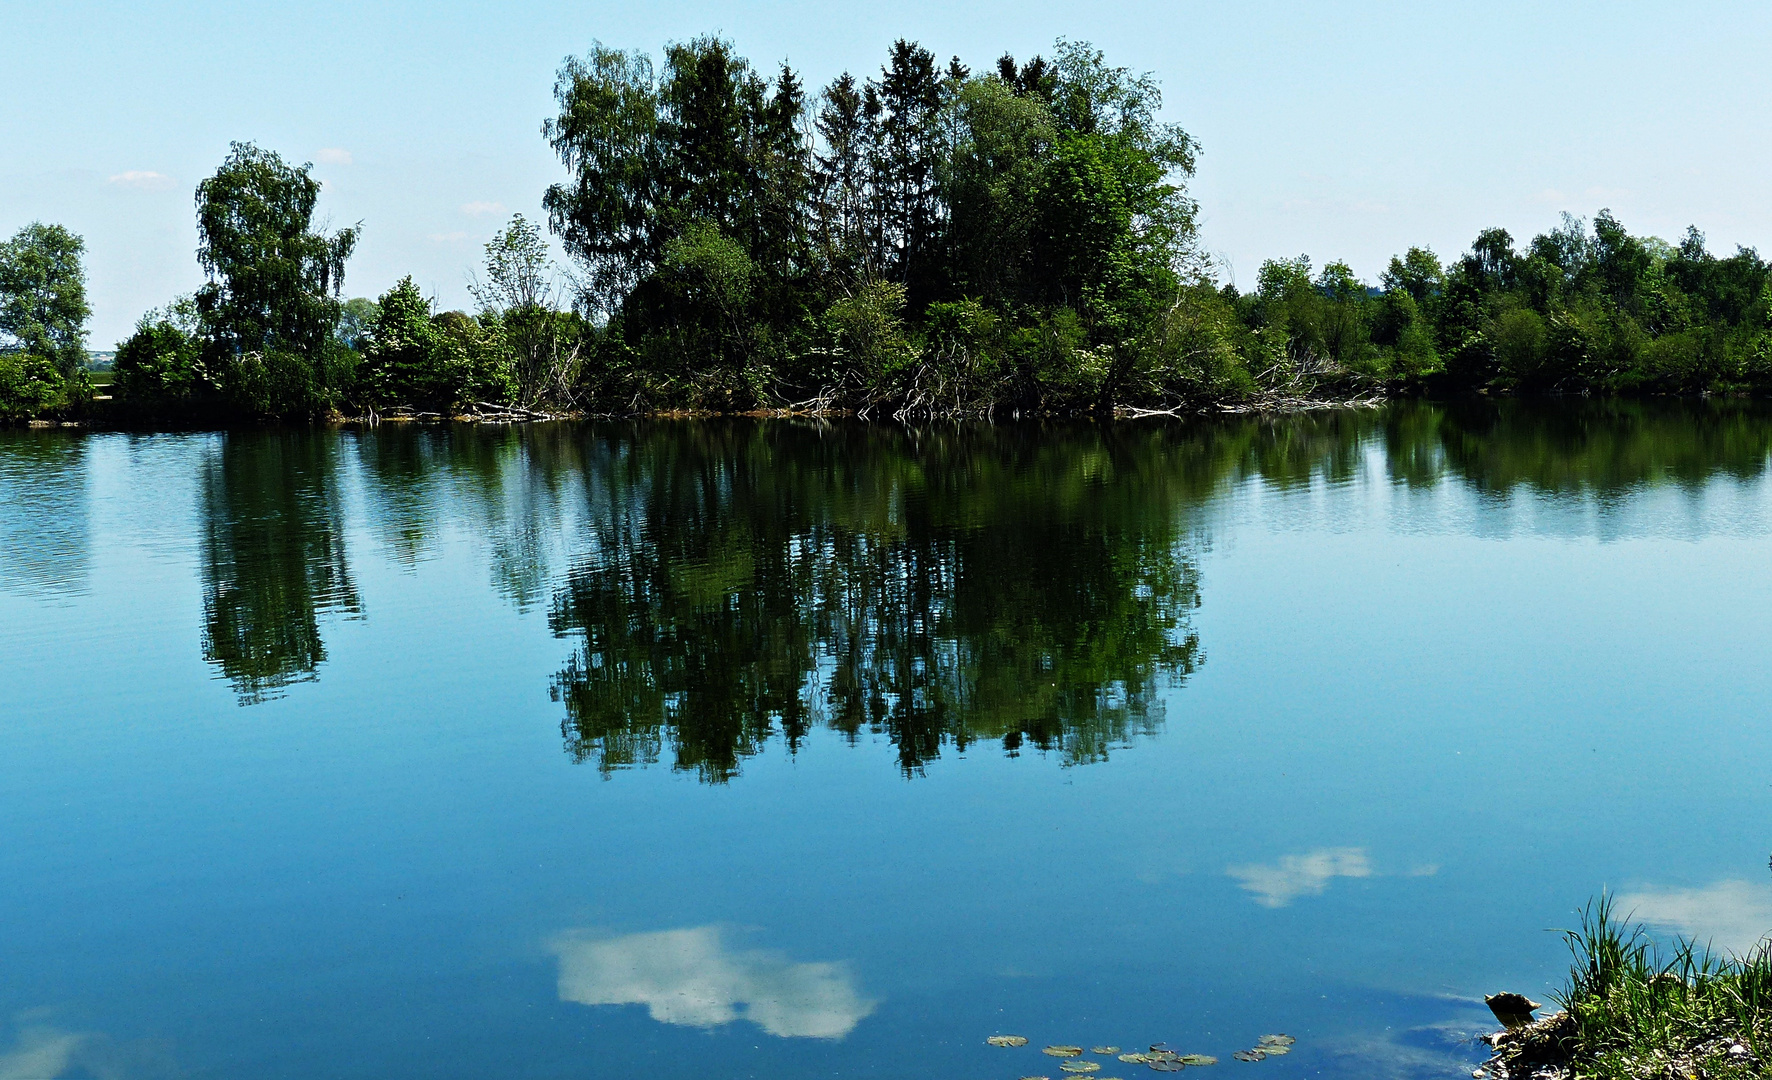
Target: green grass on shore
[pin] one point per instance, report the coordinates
(1636, 1010)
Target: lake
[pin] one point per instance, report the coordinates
(795, 749)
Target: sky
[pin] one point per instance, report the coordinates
(1336, 131)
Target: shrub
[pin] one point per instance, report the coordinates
(432, 363)
(31, 387)
(159, 366)
(871, 341)
(1518, 338)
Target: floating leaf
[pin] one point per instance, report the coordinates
(1163, 1055)
(1135, 1059)
(1104, 1050)
(1198, 1059)
(1063, 1051)
(1007, 1040)
(1276, 1040)
(1081, 1066)
(1249, 1055)
(1036, 1078)
(1167, 1065)
(1276, 1049)
(1157, 1048)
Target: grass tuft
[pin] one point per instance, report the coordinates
(1636, 1010)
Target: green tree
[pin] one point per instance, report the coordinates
(437, 363)
(1090, 256)
(840, 177)
(161, 367)
(907, 148)
(356, 317)
(779, 164)
(1417, 273)
(994, 183)
(517, 290)
(43, 308)
(396, 368)
(30, 386)
(516, 269)
(870, 333)
(270, 307)
(609, 214)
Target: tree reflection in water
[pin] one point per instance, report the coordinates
(273, 558)
(728, 582)
(934, 587)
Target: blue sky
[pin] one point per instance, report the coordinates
(1338, 131)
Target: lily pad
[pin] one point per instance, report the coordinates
(1036, 1078)
(1198, 1059)
(1167, 1065)
(1276, 1049)
(1081, 1066)
(1163, 1055)
(1156, 1047)
(1135, 1058)
(1249, 1055)
(1104, 1050)
(1063, 1051)
(1007, 1040)
(1276, 1040)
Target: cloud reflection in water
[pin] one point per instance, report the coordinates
(689, 977)
(41, 1053)
(1731, 915)
(1276, 885)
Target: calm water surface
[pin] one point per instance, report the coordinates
(797, 750)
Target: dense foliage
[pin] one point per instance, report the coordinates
(43, 313)
(269, 337)
(928, 241)
(939, 241)
(932, 240)
(1578, 309)
(259, 339)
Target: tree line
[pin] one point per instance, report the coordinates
(930, 240)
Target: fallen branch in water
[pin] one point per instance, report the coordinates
(1292, 403)
(515, 410)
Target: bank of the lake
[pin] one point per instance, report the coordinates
(1634, 1008)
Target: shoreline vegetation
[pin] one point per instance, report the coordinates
(931, 241)
(1632, 1011)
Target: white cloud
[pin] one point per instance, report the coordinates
(1293, 876)
(1732, 915)
(141, 178)
(332, 155)
(689, 977)
(475, 209)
